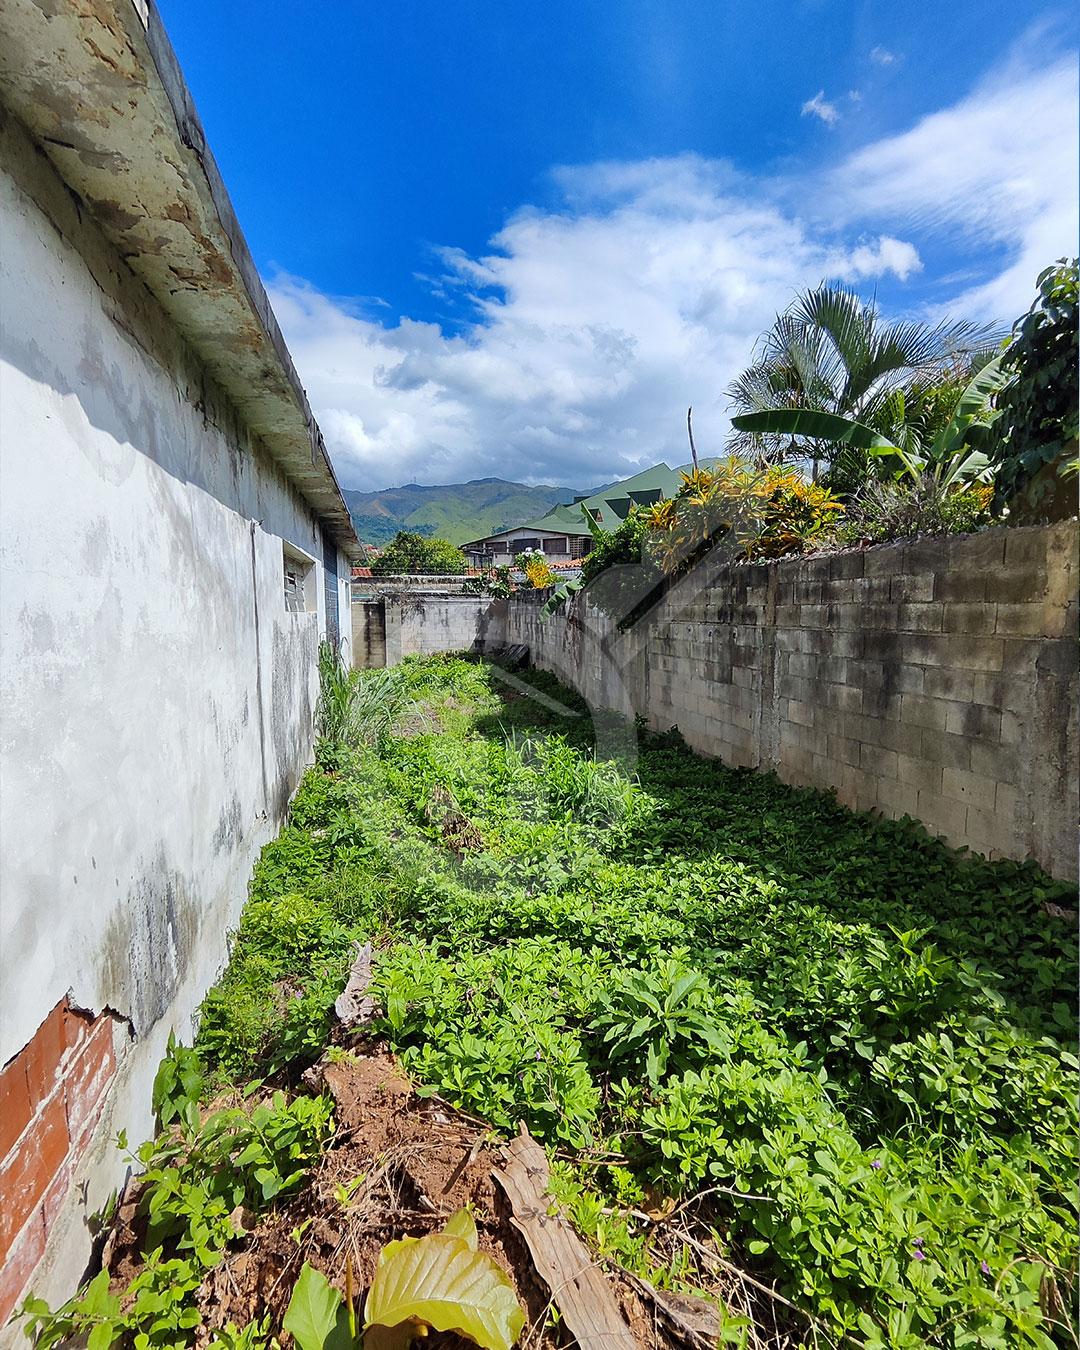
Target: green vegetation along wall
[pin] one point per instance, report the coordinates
(936, 678)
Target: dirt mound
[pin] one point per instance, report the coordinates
(398, 1165)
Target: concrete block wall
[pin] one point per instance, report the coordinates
(399, 624)
(935, 678)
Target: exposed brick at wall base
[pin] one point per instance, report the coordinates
(936, 678)
(51, 1095)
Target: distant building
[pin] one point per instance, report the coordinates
(563, 534)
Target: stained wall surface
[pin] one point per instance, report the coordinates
(936, 678)
(399, 623)
(156, 702)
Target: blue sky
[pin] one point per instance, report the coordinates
(519, 239)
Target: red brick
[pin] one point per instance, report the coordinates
(56, 1193)
(30, 1168)
(18, 1265)
(15, 1110)
(43, 1055)
(86, 1081)
(78, 1025)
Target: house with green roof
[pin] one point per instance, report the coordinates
(563, 534)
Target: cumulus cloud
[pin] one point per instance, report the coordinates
(596, 328)
(598, 322)
(819, 106)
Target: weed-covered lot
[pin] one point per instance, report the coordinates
(755, 1031)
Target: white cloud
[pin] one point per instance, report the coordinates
(881, 56)
(997, 171)
(599, 322)
(596, 328)
(819, 106)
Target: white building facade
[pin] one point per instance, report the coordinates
(173, 547)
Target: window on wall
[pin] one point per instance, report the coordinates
(299, 580)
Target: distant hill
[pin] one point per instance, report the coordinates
(455, 511)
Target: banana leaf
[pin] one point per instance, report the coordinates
(821, 426)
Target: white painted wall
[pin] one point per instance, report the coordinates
(156, 699)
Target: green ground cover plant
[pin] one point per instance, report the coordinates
(847, 1052)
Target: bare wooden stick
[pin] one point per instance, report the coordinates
(584, 1297)
(690, 433)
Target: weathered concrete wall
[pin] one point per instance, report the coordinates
(936, 678)
(156, 701)
(422, 625)
(369, 634)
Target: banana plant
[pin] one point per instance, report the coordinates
(953, 458)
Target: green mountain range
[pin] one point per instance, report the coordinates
(455, 511)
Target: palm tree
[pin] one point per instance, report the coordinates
(830, 351)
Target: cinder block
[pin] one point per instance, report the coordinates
(845, 697)
(985, 831)
(871, 590)
(921, 711)
(794, 686)
(974, 719)
(879, 617)
(902, 678)
(865, 674)
(914, 589)
(930, 555)
(994, 761)
(1017, 584)
(983, 552)
(973, 653)
(960, 587)
(855, 787)
(845, 566)
(1024, 620)
(740, 717)
(1007, 799)
(843, 750)
(898, 736)
(807, 590)
(968, 787)
(885, 560)
(921, 649)
(839, 592)
(953, 752)
(916, 618)
(977, 617)
(958, 685)
(943, 815)
(807, 738)
(796, 765)
(922, 774)
(1026, 545)
(881, 763)
(1018, 660)
(898, 799)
